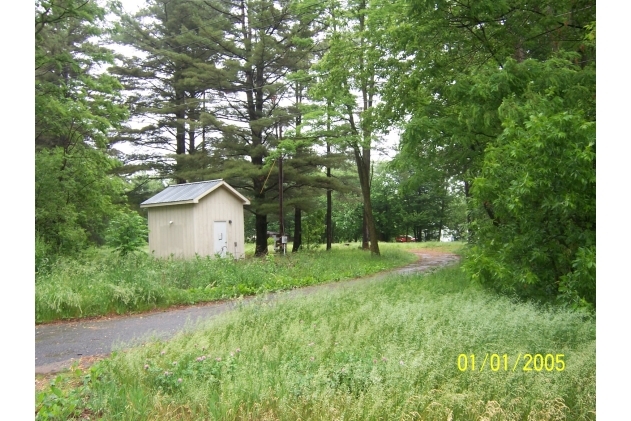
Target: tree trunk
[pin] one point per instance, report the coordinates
(261, 235)
(297, 230)
(329, 192)
(364, 182)
(329, 215)
(467, 195)
(180, 137)
(365, 234)
(260, 221)
(442, 216)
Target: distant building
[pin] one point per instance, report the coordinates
(204, 218)
(446, 235)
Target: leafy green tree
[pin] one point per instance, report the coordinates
(347, 214)
(500, 95)
(347, 82)
(76, 109)
(127, 233)
(347, 219)
(313, 229)
(442, 65)
(408, 203)
(538, 185)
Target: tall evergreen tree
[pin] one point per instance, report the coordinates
(166, 92)
(222, 71)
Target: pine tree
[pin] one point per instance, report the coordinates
(220, 71)
(165, 91)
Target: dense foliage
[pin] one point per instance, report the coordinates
(75, 109)
(127, 233)
(538, 184)
(500, 96)
(495, 101)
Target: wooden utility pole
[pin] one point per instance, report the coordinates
(281, 221)
(329, 192)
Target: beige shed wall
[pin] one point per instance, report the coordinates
(219, 205)
(177, 238)
(192, 228)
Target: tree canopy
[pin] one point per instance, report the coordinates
(76, 109)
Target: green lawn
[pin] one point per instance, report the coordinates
(385, 350)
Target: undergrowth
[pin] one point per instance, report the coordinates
(102, 283)
(382, 350)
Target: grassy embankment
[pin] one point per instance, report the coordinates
(101, 283)
(377, 351)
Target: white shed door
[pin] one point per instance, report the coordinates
(220, 232)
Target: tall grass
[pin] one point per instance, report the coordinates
(386, 350)
(103, 283)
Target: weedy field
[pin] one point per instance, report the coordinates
(102, 283)
(397, 348)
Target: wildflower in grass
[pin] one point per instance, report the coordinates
(384, 359)
(218, 358)
(238, 350)
(163, 352)
(312, 358)
(166, 373)
(174, 362)
(401, 362)
(146, 366)
(232, 354)
(311, 344)
(179, 380)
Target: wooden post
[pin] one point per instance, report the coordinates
(281, 221)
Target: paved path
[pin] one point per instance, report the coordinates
(57, 345)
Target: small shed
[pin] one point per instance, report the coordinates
(204, 218)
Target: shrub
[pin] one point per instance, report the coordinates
(313, 229)
(43, 254)
(127, 233)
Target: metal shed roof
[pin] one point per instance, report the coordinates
(189, 193)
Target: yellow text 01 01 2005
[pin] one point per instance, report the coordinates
(503, 362)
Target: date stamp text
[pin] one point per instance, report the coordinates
(504, 362)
